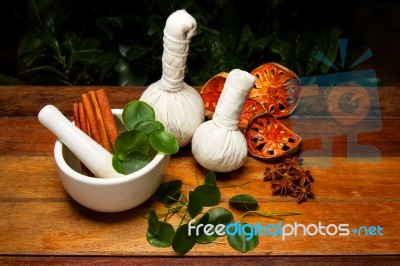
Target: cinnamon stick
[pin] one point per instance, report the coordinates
(94, 117)
(75, 108)
(91, 117)
(108, 117)
(80, 122)
(83, 119)
(100, 121)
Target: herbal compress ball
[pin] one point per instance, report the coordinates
(177, 105)
(218, 144)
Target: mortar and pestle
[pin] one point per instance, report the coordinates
(108, 191)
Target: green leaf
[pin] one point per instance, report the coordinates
(217, 216)
(131, 74)
(230, 27)
(134, 161)
(131, 140)
(153, 222)
(244, 241)
(202, 237)
(210, 178)
(243, 202)
(37, 7)
(218, 57)
(309, 43)
(84, 55)
(110, 24)
(135, 112)
(331, 50)
(260, 44)
(195, 205)
(209, 195)
(9, 80)
(107, 58)
(168, 190)
(135, 51)
(220, 215)
(149, 126)
(106, 61)
(164, 236)
(49, 69)
(30, 45)
(28, 59)
(49, 39)
(246, 38)
(70, 41)
(123, 48)
(117, 164)
(182, 243)
(283, 48)
(164, 142)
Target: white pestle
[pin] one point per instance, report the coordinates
(97, 159)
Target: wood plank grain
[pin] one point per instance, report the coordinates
(39, 218)
(28, 100)
(38, 211)
(37, 180)
(193, 260)
(26, 136)
(30, 178)
(65, 228)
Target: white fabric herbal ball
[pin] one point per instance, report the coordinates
(181, 112)
(177, 105)
(211, 153)
(218, 144)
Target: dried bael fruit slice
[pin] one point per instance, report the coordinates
(269, 139)
(251, 108)
(211, 91)
(276, 88)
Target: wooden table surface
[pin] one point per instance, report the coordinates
(41, 224)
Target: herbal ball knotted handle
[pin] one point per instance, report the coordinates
(230, 104)
(178, 31)
(177, 105)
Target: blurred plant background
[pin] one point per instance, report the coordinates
(99, 42)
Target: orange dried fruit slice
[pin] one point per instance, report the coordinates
(251, 108)
(268, 139)
(277, 88)
(211, 91)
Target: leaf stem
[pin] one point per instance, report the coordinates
(273, 215)
(37, 13)
(183, 217)
(197, 179)
(239, 185)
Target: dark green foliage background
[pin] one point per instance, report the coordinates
(102, 42)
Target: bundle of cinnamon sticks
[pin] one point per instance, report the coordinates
(94, 117)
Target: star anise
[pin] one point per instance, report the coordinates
(275, 172)
(293, 165)
(294, 161)
(283, 186)
(290, 178)
(304, 192)
(303, 177)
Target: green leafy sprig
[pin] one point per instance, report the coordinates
(160, 233)
(143, 139)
